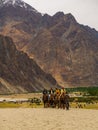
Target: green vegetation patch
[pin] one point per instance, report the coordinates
(91, 91)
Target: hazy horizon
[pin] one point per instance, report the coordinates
(84, 11)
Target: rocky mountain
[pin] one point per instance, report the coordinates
(18, 20)
(58, 43)
(19, 73)
(67, 50)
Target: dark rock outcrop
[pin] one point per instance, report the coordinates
(19, 73)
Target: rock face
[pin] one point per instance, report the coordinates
(59, 44)
(19, 73)
(67, 50)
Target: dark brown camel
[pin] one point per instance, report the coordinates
(64, 101)
(45, 100)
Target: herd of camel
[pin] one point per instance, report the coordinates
(56, 100)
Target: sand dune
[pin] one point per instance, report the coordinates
(48, 119)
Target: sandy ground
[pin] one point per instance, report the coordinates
(48, 119)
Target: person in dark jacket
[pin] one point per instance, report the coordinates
(45, 91)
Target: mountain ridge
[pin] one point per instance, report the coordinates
(58, 43)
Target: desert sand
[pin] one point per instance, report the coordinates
(48, 119)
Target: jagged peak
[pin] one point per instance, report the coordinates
(16, 3)
(59, 14)
(46, 15)
(69, 16)
(66, 17)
